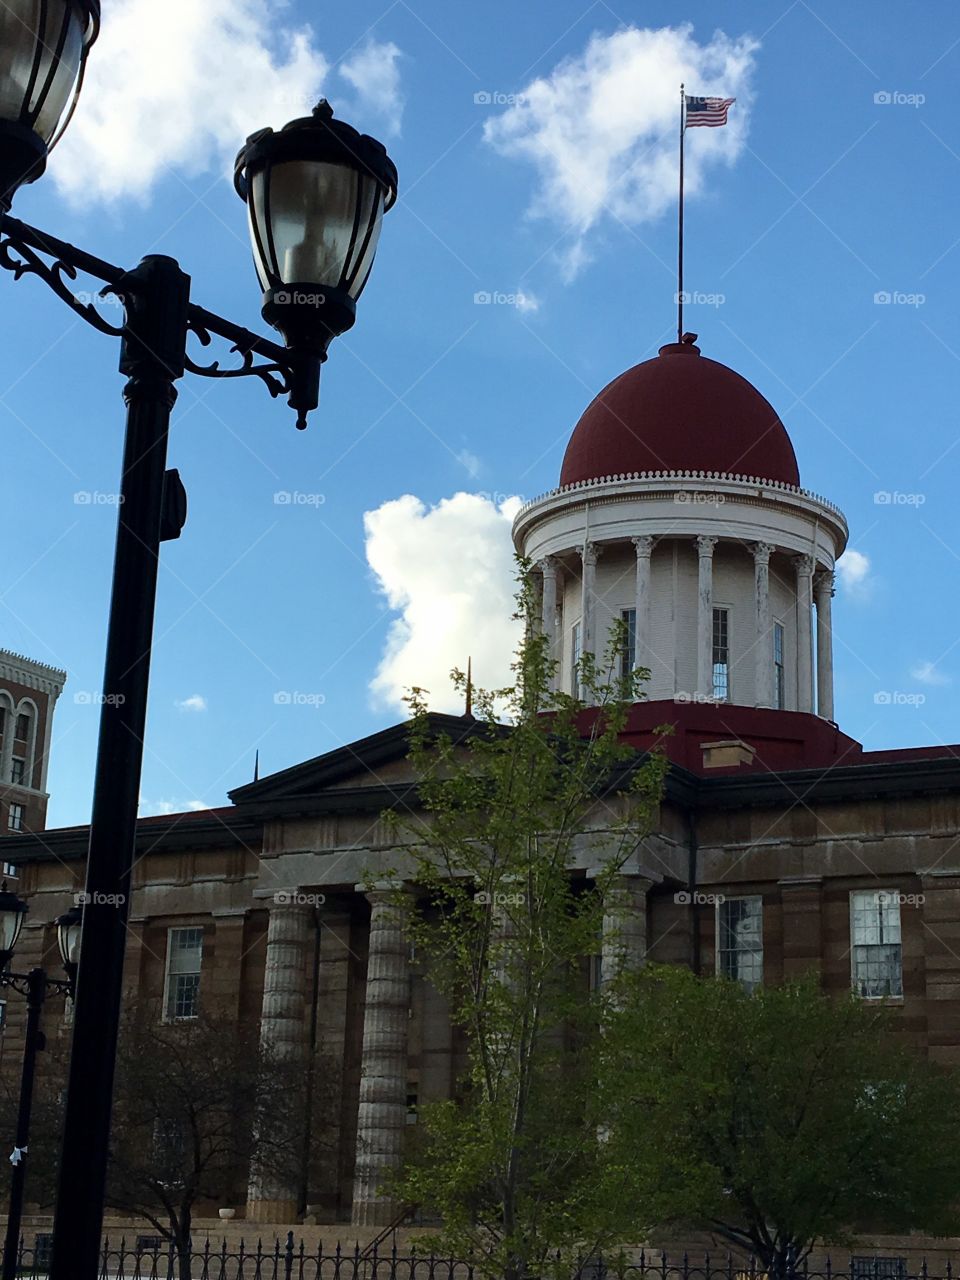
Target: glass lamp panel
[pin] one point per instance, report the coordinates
(58, 76)
(367, 245)
(312, 211)
(11, 922)
(41, 48)
(266, 270)
(69, 941)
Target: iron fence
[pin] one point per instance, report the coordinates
(150, 1258)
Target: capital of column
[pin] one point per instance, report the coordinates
(705, 546)
(803, 565)
(762, 551)
(824, 584)
(590, 553)
(644, 544)
(549, 566)
(380, 891)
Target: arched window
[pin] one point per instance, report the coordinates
(24, 754)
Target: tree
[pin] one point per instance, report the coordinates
(777, 1118)
(511, 1165)
(196, 1102)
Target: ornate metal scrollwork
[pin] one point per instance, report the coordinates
(275, 377)
(57, 274)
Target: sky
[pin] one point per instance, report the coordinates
(529, 260)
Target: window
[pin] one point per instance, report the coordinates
(23, 727)
(17, 769)
(42, 1251)
(184, 954)
(412, 1102)
(875, 951)
(575, 660)
(740, 940)
(3, 719)
(779, 691)
(628, 654)
(864, 1268)
(15, 818)
(721, 655)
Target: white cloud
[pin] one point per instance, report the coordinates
(196, 702)
(601, 129)
(927, 673)
(375, 75)
(179, 86)
(527, 302)
(470, 462)
(853, 570)
(448, 572)
(152, 808)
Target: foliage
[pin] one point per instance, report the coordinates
(511, 810)
(777, 1118)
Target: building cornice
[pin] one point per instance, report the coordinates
(31, 674)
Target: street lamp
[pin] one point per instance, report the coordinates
(35, 985)
(316, 192)
(44, 47)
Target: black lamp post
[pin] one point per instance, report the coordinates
(316, 192)
(35, 985)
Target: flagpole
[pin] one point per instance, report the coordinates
(680, 225)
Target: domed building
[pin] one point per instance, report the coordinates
(780, 847)
(680, 514)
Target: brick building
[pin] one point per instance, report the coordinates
(28, 696)
(781, 845)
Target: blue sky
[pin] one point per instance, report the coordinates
(819, 199)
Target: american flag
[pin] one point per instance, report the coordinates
(707, 113)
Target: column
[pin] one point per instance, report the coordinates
(381, 1116)
(588, 557)
(624, 945)
(823, 584)
(705, 548)
(804, 566)
(763, 658)
(644, 549)
(548, 610)
(271, 1198)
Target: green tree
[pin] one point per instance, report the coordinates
(543, 784)
(775, 1119)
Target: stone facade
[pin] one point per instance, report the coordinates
(28, 696)
(299, 933)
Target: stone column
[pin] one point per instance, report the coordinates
(823, 585)
(588, 636)
(548, 610)
(763, 661)
(705, 546)
(624, 944)
(381, 1116)
(282, 1031)
(644, 549)
(804, 566)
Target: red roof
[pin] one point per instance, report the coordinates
(680, 412)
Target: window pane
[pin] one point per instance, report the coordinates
(740, 940)
(575, 660)
(628, 654)
(721, 655)
(876, 952)
(184, 958)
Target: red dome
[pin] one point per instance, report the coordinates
(680, 412)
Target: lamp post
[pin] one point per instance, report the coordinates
(316, 193)
(35, 985)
